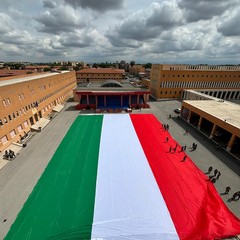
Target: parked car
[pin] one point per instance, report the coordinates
(177, 110)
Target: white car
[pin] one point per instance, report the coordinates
(177, 110)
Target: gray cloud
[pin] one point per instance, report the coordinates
(145, 25)
(49, 4)
(99, 6)
(5, 23)
(60, 20)
(117, 41)
(81, 40)
(136, 29)
(204, 9)
(230, 25)
(165, 15)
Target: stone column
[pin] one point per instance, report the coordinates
(189, 116)
(214, 128)
(200, 122)
(231, 142)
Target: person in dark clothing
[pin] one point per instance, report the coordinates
(218, 175)
(166, 139)
(213, 180)
(184, 158)
(210, 169)
(227, 190)
(215, 172)
(6, 155)
(236, 196)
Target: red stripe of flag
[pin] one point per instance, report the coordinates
(196, 208)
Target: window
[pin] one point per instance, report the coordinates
(12, 133)
(5, 120)
(1, 123)
(20, 128)
(4, 140)
(4, 103)
(8, 101)
(25, 124)
(9, 117)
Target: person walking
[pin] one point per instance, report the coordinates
(218, 175)
(227, 190)
(236, 196)
(184, 158)
(209, 170)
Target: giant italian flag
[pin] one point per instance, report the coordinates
(112, 177)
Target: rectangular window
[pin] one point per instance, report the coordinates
(12, 133)
(4, 103)
(4, 140)
(25, 124)
(20, 128)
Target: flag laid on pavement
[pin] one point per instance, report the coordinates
(112, 177)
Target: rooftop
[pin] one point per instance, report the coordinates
(14, 80)
(223, 110)
(102, 70)
(95, 86)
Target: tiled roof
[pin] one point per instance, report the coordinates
(101, 70)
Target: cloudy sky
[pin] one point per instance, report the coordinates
(163, 31)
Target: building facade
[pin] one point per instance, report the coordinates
(111, 96)
(217, 119)
(99, 75)
(168, 81)
(24, 101)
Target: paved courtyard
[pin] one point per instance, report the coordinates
(18, 177)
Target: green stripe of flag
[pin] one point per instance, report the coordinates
(62, 203)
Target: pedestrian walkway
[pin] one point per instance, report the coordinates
(39, 125)
(15, 147)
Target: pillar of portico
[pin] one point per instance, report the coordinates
(96, 100)
(200, 122)
(231, 142)
(214, 128)
(87, 100)
(189, 116)
(105, 101)
(129, 100)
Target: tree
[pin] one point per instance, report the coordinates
(148, 65)
(132, 63)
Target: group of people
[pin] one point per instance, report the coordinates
(194, 147)
(165, 126)
(24, 136)
(216, 174)
(213, 178)
(9, 155)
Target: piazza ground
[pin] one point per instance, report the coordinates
(18, 178)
